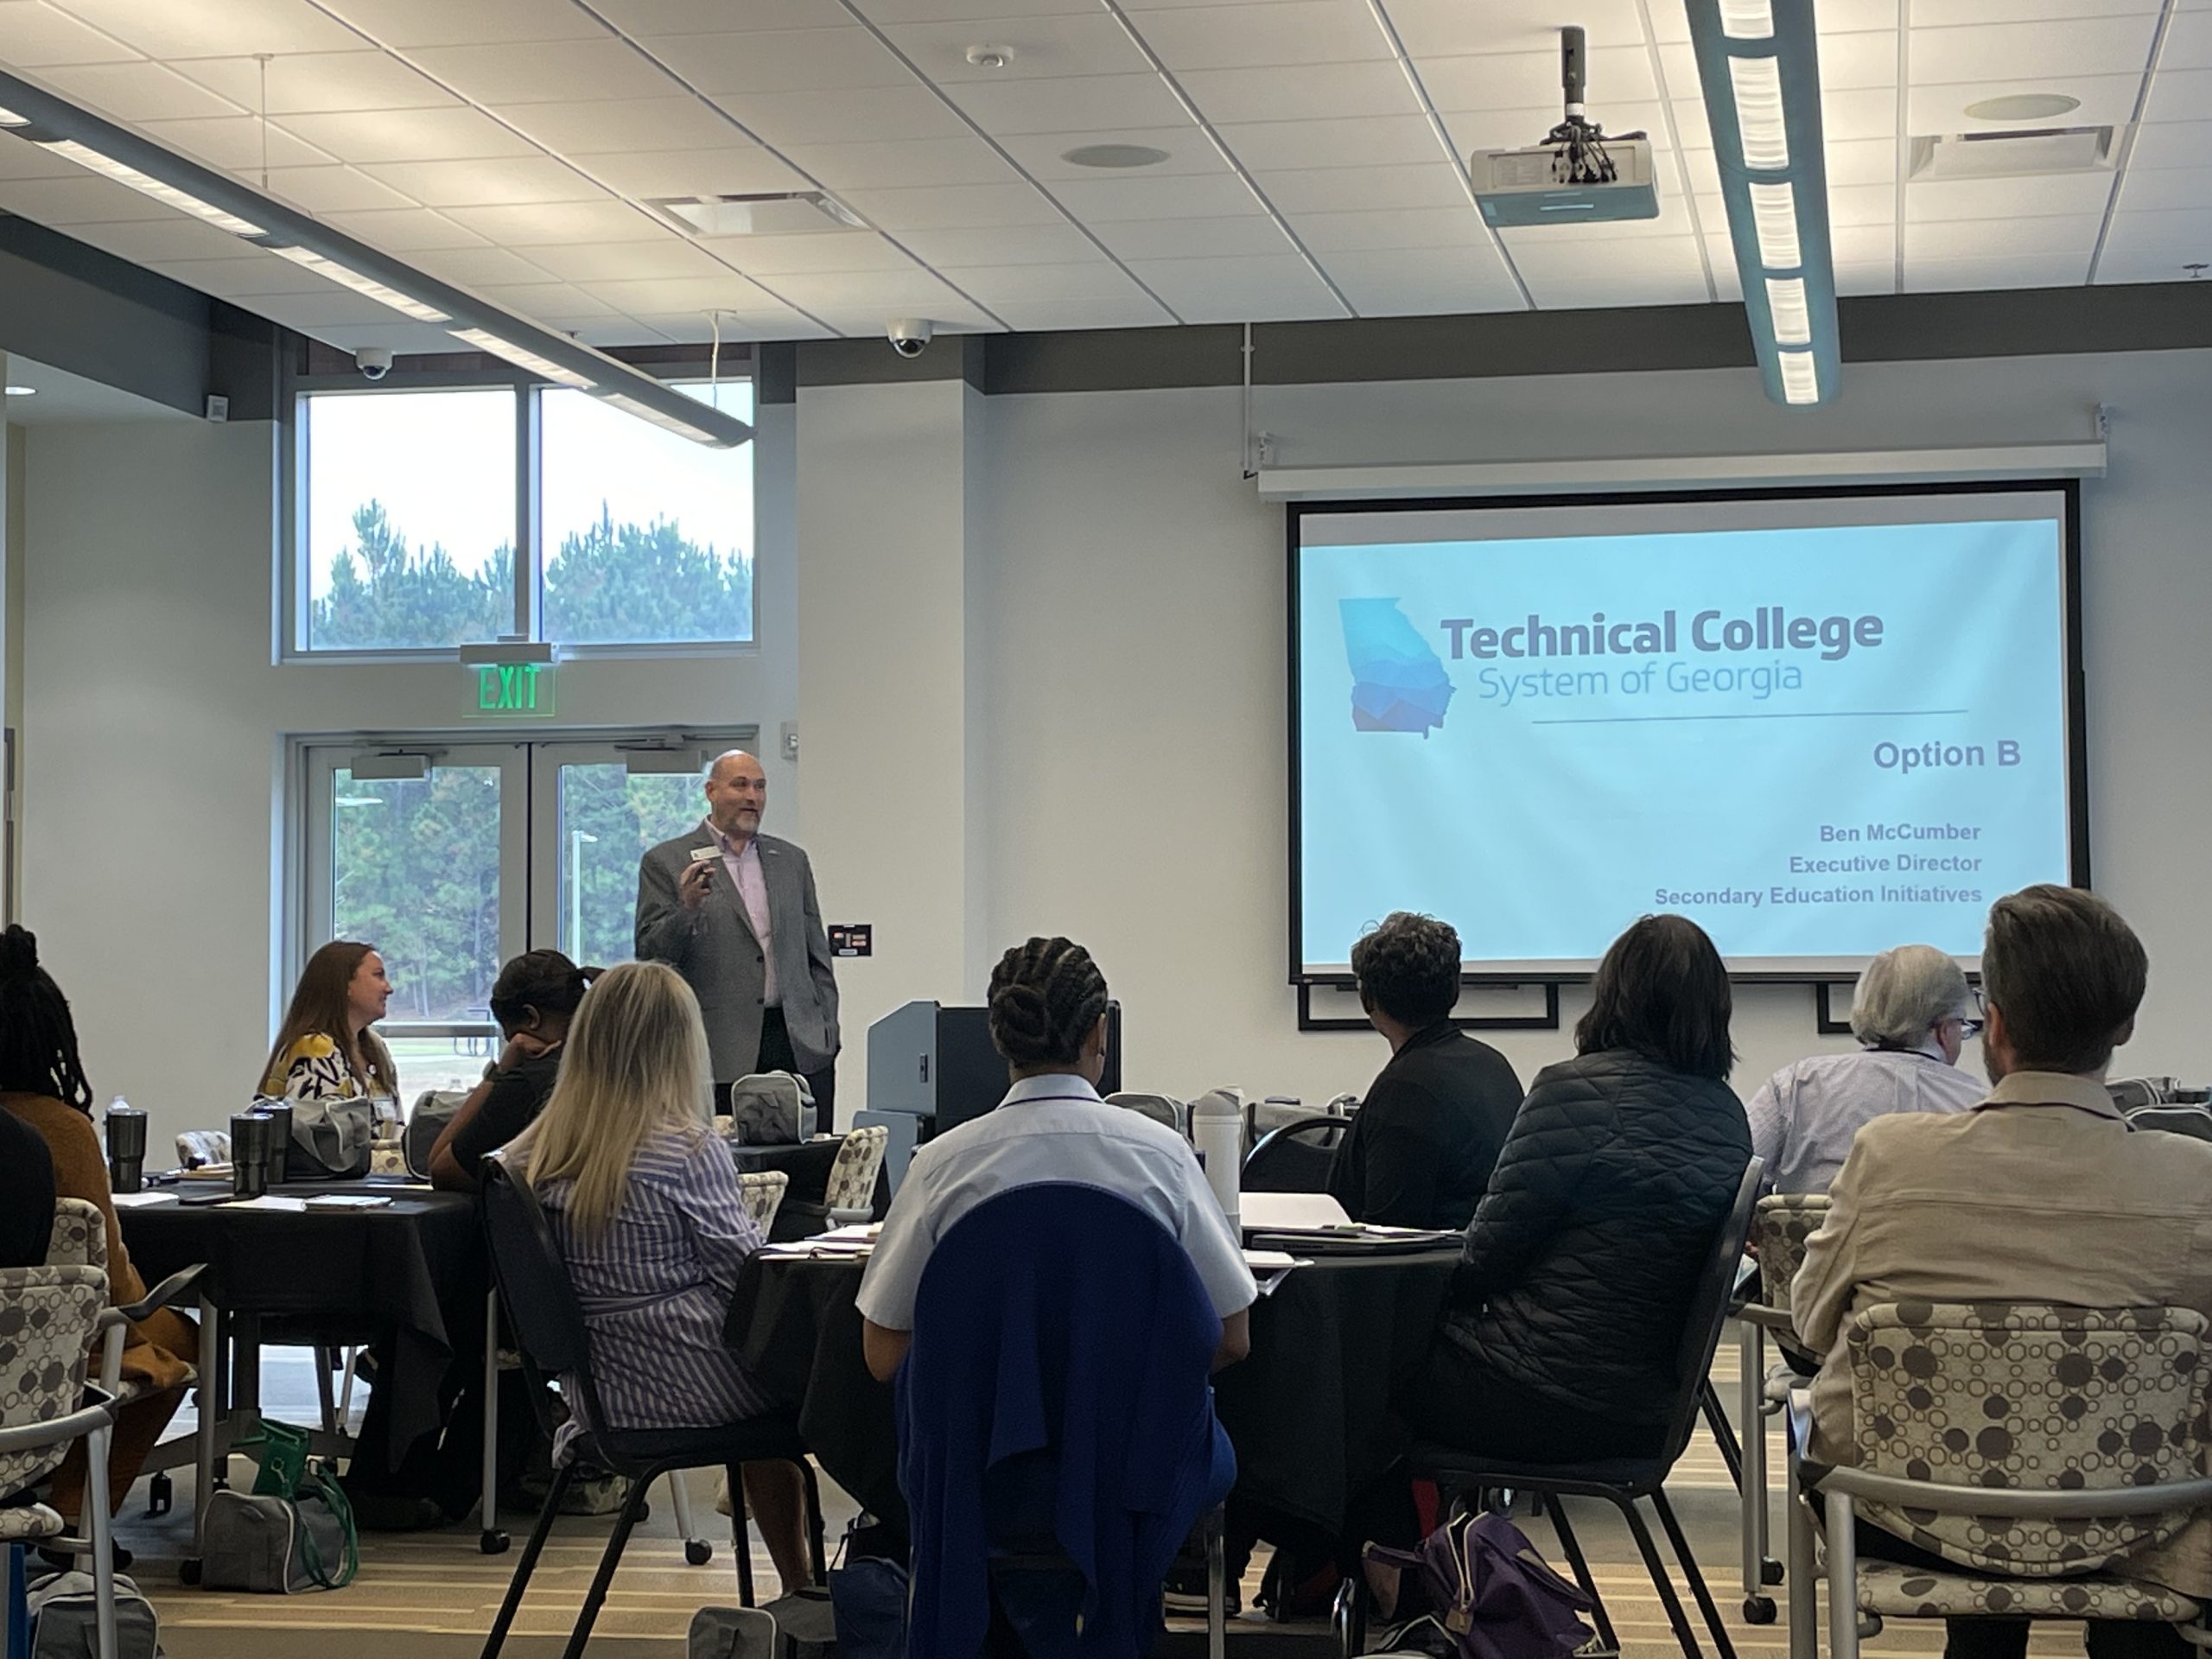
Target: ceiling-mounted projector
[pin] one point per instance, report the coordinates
(1577, 176)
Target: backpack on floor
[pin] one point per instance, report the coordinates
(65, 1620)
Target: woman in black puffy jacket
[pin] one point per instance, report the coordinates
(1560, 1339)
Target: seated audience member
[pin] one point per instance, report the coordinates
(1560, 1339)
(325, 1050)
(1048, 1018)
(534, 998)
(1420, 1150)
(42, 1086)
(2039, 1194)
(644, 1200)
(25, 1194)
(1912, 1016)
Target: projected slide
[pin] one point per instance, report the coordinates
(1820, 728)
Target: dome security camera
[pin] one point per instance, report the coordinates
(374, 361)
(909, 335)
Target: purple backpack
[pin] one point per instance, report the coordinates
(1484, 1593)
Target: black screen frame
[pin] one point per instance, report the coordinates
(2075, 680)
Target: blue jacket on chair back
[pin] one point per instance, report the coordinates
(1059, 1327)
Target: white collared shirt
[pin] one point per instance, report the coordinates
(1051, 1130)
(1806, 1115)
(750, 883)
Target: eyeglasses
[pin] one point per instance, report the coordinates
(1971, 1025)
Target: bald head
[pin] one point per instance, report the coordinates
(737, 794)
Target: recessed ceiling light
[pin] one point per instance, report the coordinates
(990, 57)
(1115, 155)
(2023, 107)
(22, 391)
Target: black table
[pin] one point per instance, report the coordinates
(1308, 1412)
(414, 1268)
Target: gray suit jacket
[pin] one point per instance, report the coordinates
(714, 949)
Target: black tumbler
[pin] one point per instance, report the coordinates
(126, 1148)
(250, 1145)
(280, 1141)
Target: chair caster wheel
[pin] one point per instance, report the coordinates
(698, 1551)
(491, 1541)
(161, 1494)
(1770, 1571)
(1870, 1626)
(1758, 1609)
(187, 1570)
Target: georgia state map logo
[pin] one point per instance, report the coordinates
(1397, 683)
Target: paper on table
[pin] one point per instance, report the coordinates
(141, 1200)
(270, 1201)
(1281, 1212)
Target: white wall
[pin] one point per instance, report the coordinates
(154, 728)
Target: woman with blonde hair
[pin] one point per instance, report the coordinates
(644, 1199)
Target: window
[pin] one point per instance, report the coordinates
(412, 505)
(409, 520)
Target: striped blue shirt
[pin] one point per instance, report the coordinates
(656, 1287)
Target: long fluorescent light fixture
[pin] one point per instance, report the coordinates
(29, 112)
(1759, 60)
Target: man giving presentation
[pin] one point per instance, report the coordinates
(735, 913)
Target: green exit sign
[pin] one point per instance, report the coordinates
(514, 691)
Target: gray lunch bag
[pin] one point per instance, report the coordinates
(64, 1622)
(274, 1545)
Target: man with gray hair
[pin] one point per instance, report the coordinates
(1912, 1017)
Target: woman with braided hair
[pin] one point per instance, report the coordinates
(42, 1084)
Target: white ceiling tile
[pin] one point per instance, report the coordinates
(1864, 161)
(2070, 193)
(2145, 268)
(407, 229)
(231, 141)
(1704, 172)
(543, 224)
(215, 28)
(894, 166)
(1535, 254)
(1504, 128)
(782, 61)
(1354, 189)
(81, 198)
(762, 320)
(1008, 244)
(1282, 32)
(955, 207)
(592, 126)
(735, 171)
(2180, 94)
(2030, 270)
(1858, 114)
(328, 189)
(1193, 238)
(1092, 279)
(650, 17)
(1467, 267)
(886, 112)
(1100, 200)
(1950, 14)
(477, 267)
(1304, 304)
(1512, 80)
(1371, 141)
(540, 300)
(1430, 299)
(2168, 190)
(551, 71)
(137, 92)
(615, 262)
(1048, 316)
(1400, 228)
(1316, 91)
(776, 256)
(1863, 279)
(1851, 63)
(409, 24)
(316, 82)
(34, 35)
(2189, 42)
(1863, 244)
(501, 182)
(1044, 155)
(913, 292)
(2029, 51)
(1453, 28)
(1051, 47)
(260, 273)
(2186, 234)
(1993, 238)
(398, 136)
(173, 236)
(1081, 103)
(19, 159)
(1616, 292)
(1848, 204)
(886, 13)
(675, 293)
(1270, 271)
(1941, 107)
(619, 330)
(863, 320)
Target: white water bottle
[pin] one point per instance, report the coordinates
(1217, 1132)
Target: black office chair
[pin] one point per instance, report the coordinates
(1620, 1481)
(1294, 1158)
(547, 1324)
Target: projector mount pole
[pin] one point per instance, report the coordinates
(1580, 141)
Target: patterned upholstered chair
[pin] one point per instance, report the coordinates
(47, 1319)
(1780, 1226)
(850, 1195)
(761, 1192)
(1163, 1109)
(2041, 1448)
